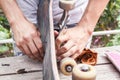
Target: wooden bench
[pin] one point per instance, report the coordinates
(9, 67)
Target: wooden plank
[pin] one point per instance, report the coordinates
(36, 76)
(16, 63)
(21, 62)
(27, 76)
(105, 70)
(102, 59)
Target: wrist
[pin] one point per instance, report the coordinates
(87, 27)
(16, 20)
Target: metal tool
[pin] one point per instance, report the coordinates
(66, 5)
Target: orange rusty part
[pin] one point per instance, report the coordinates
(88, 56)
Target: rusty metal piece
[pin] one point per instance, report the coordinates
(87, 56)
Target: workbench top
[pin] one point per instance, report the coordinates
(23, 68)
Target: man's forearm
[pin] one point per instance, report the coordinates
(11, 10)
(92, 14)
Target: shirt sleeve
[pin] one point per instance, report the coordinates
(29, 9)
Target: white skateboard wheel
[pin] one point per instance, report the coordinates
(83, 72)
(66, 66)
(67, 4)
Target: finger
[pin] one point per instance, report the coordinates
(56, 33)
(34, 50)
(38, 44)
(63, 32)
(21, 49)
(27, 51)
(70, 52)
(75, 55)
(68, 45)
(38, 33)
(60, 40)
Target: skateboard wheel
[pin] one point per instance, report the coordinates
(83, 72)
(67, 4)
(66, 66)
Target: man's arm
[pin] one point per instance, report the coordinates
(11, 10)
(92, 14)
(26, 35)
(75, 39)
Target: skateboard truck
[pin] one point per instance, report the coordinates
(66, 64)
(66, 5)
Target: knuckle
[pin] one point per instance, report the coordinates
(27, 38)
(40, 46)
(20, 42)
(34, 33)
(71, 51)
(35, 52)
(65, 48)
(63, 56)
(77, 48)
(58, 39)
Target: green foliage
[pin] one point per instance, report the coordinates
(4, 33)
(4, 22)
(3, 49)
(114, 41)
(116, 38)
(118, 20)
(108, 19)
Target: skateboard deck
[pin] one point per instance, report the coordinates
(45, 24)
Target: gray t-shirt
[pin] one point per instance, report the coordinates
(29, 8)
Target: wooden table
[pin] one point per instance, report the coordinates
(9, 67)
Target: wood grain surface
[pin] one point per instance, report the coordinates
(105, 69)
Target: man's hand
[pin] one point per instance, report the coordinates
(70, 42)
(27, 39)
(26, 35)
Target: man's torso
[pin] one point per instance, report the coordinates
(29, 8)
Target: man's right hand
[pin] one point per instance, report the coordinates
(28, 39)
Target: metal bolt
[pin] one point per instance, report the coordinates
(85, 68)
